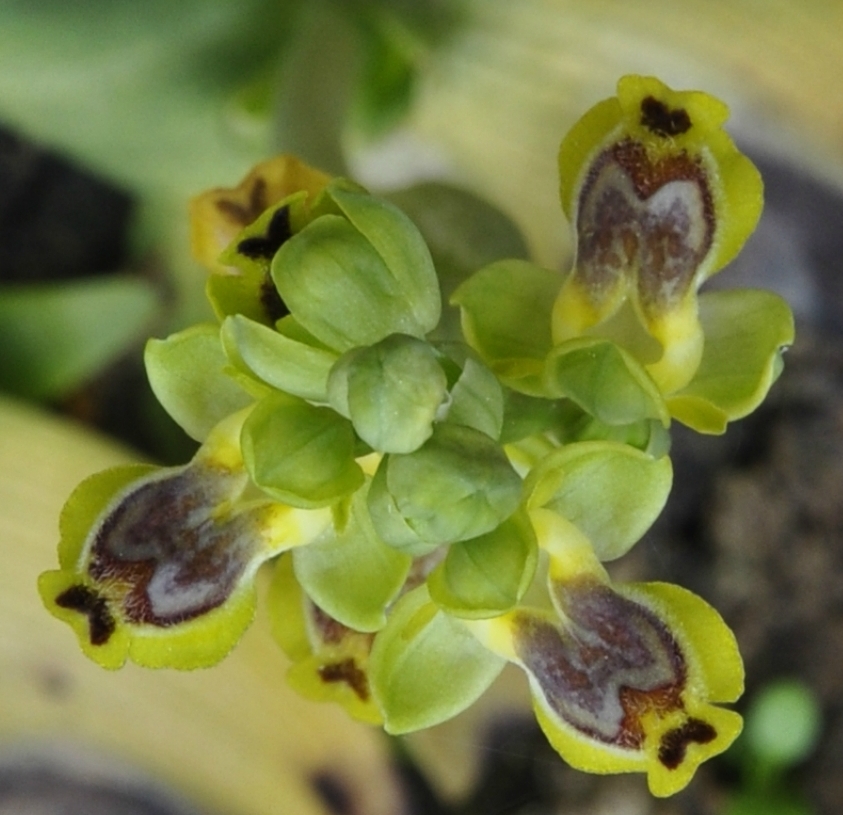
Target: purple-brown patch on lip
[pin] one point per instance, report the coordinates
(613, 662)
(649, 217)
(164, 550)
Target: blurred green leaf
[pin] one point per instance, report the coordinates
(783, 723)
(56, 336)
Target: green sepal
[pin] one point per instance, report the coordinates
(612, 492)
(391, 391)
(283, 363)
(425, 667)
(477, 400)
(298, 453)
(505, 311)
(488, 575)
(458, 485)
(526, 415)
(350, 572)
(239, 294)
(746, 332)
(187, 374)
(605, 380)
(354, 279)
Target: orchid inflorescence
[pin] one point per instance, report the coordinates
(436, 501)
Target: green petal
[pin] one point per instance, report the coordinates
(300, 454)
(486, 576)
(293, 367)
(605, 380)
(425, 667)
(187, 374)
(351, 573)
(746, 332)
(505, 312)
(610, 491)
(458, 485)
(391, 391)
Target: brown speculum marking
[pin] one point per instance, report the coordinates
(658, 118)
(614, 662)
(347, 671)
(244, 214)
(86, 601)
(650, 218)
(264, 247)
(674, 743)
(162, 548)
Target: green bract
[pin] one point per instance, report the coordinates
(450, 491)
(487, 575)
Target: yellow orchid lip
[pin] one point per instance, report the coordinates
(660, 199)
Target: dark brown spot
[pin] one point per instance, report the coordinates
(658, 118)
(674, 743)
(244, 214)
(348, 672)
(86, 601)
(273, 305)
(264, 247)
